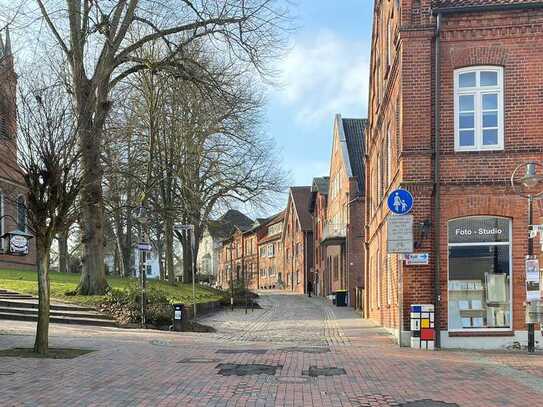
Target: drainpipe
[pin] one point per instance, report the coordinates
(437, 191)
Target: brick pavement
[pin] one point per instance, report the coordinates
(293, 333)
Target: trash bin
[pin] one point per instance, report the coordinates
(178, 310)
(341, 298)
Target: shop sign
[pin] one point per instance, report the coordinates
(417, 259)
(479, 229)
(533, 277)
(400, 234)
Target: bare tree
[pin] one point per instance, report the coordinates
(48, 162)
(100, 40)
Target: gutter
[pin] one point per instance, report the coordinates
(437, 186)
(476, 9)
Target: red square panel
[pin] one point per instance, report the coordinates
(427, 334)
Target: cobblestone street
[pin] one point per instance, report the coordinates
(290, 341)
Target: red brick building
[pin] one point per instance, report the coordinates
(317, 208)
(13, 214)
(454, 107)
(342, 240)
(270, 253)
(298, 240)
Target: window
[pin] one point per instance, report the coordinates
(478, 104)
(389, 156)
(262, 251)
(389, 42)
(271, 250)
(389, 279)
(479, 273)
(378, 261)
(21, 213)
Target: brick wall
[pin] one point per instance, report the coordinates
(472, 183)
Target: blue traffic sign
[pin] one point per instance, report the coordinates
(400, 202)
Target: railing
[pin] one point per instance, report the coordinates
(334, 230)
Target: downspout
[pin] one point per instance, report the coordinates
(437, 188)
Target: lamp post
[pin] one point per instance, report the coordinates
(526, 182)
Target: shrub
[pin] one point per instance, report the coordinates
(125, 305)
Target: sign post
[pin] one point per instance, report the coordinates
(189, 229)
(400, 202)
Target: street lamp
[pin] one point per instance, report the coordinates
(188, 230)
(17, 240)
(526, 182)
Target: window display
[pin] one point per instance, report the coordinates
(479, 273)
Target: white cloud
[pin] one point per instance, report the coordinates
(323, 76)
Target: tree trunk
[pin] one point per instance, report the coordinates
(41, 344)
(187, 260)
(119, 256)
(168, 249)
(63, 251)
(93, 277)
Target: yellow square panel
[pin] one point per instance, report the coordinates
(425, 323)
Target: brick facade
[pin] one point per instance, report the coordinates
(12, 189)
(270, 254)
(400, 153)
(298, 241)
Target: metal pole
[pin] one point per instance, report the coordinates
(191, 237)
(142, 283)
(531, 326)
(231, 279)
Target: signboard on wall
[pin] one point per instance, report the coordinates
(400, 234)
(417, 259)
(533, 277)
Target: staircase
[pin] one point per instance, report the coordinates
(24, 307)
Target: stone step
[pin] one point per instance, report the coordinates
(33, 303)
(15, 296)
(68, 314)
(58, 320)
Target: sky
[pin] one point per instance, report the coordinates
(325, 72)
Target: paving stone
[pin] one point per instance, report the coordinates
(142, 367)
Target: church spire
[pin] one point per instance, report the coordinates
(1, 47)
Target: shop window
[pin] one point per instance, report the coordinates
(479, 108)
(479, 273)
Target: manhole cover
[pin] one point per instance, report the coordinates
(199, 360)
(294, 380)
(428, 403)
(7, 373)
(167, 344)
(306, 349)
(233, 369)
(240, 351)
(315, 371)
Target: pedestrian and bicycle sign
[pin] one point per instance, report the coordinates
(400, 202)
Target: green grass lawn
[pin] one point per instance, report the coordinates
(62, 283)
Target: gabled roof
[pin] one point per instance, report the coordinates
(301, 198)
(228, 223)
(351, 144)
(320, 184)
(354, 136)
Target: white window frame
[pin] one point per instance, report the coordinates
(511, 300)
(477, 92)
